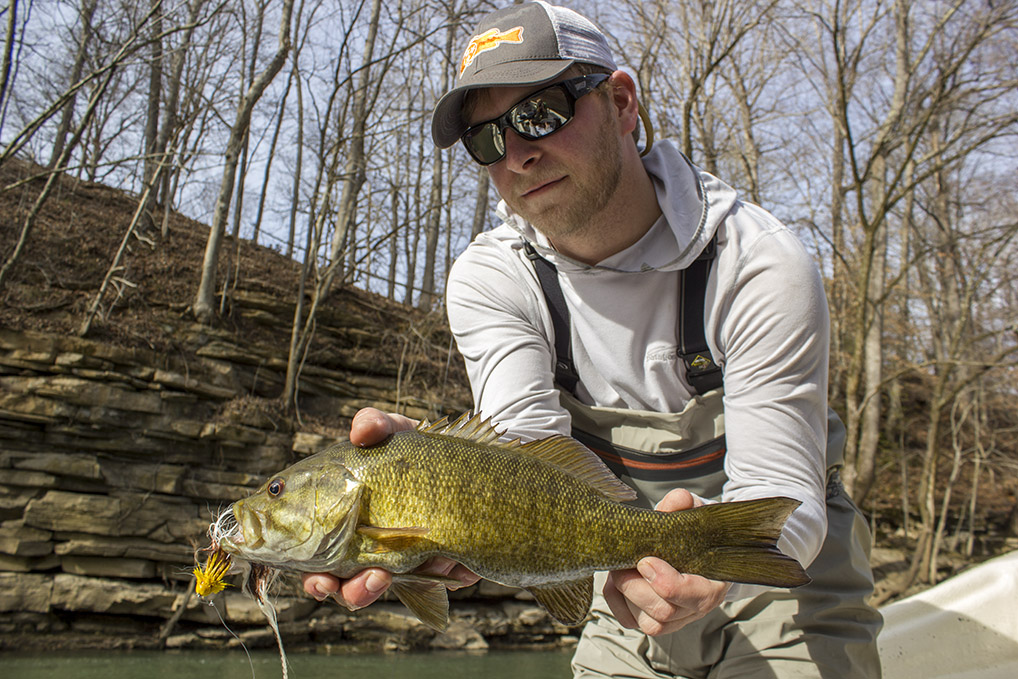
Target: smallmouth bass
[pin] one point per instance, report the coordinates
(543, 516)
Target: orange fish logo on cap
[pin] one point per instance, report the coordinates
(489, 40)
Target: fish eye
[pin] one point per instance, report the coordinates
(276, 487)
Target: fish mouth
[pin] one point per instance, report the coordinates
(249, 526)
(236, 530)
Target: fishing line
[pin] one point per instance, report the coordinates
(269, 611)
(239, 640)
(259, 581)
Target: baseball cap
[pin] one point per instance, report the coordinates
(525, 44)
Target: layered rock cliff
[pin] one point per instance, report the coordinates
(117, 448)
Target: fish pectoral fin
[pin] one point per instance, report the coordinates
(426, 597)
(568, 602)
(393, 539)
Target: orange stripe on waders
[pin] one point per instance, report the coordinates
(489, 40)
(660, 466)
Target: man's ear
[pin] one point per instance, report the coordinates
(623, 95)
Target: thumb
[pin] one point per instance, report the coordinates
(677, 500)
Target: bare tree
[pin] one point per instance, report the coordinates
(101, 79)
(481, 207)
(151, 137)
(355, 168)
(204, 302)
(958, 283)
(435, 199)
(7, 60)
(85, 14)
(168, 128)
(676, 68)
(880, 130)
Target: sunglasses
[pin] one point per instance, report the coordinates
(535, 116)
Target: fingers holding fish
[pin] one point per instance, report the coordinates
(365, 587)
(371, 426)
(657, 599)
(677, 500)
(440, 565)
(356, 592)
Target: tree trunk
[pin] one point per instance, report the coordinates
(155, 87)
(354, 172)
(204, 302)
(268, 161)
(8, 57)
(434, 213)
(162, 192)
(873, 355)
(67, 113)
(480, 203)
(431, 232)
(298, 169)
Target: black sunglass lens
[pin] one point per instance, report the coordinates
(485, 143)
(541, 115)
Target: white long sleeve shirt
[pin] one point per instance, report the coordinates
(765, 317)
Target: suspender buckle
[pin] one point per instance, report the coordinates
(702, 373)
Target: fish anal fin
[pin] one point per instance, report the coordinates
(393, 539)
(567, 602)
(426, 597)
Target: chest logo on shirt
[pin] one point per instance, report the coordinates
(487, 41)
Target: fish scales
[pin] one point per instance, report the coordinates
(487, 507)
(543, 515)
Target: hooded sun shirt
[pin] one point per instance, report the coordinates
(765, 318)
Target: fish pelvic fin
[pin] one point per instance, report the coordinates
(393, 539)
(739, 543)
(567, 602)
(564, 452)
(426, 597)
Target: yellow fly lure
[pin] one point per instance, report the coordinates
(209, 579)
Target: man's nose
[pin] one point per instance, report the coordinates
(520, 153)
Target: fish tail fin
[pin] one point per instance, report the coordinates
(739, 543)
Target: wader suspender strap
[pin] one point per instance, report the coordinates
(565, 371)
(702, 373)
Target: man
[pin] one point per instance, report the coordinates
(572, 318)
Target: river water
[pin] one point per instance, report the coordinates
(265, 665)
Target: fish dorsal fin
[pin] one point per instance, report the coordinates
(576, 459)
(568, 602)
(564, 452)
(466, 427)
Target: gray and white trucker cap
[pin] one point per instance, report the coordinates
(526, 44)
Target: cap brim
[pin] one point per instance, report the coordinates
(447, 124)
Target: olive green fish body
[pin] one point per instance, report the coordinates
(509, 516)
(543, 516)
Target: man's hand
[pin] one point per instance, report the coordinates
(365, 587)
(656, 598)
(371, 426)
